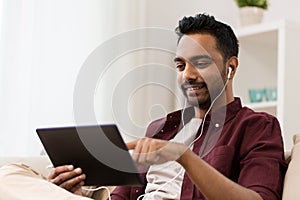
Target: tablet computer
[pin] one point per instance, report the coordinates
(98, 150)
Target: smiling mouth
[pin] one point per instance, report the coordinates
(193, 88)
(189, 87)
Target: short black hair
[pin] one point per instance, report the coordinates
(226, 40)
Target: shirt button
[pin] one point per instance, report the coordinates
(175, 126)
(162, 130)
(217, 125)
(136, 191)
(171, 116)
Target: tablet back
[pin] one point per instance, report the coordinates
(98, 149)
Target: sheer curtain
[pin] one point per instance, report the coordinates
(43, 47)
(16, 61)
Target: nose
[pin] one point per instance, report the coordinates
(190, 72)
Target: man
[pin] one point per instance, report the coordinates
(215, 148)
(244, 161)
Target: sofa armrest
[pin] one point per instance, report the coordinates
(292, 177)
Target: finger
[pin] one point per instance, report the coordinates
(144, 151)
(61, 169)
(74, 183)
(153, 155)
(132, 145)
(137, 149)
(77, 188)
(65, 176)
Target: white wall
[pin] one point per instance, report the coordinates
(166, 13)
(42, 52)
(45, 43)
(43, 46)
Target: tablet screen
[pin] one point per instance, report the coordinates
(98, 150)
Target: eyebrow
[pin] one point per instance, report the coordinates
(177, 59)
(194, 58)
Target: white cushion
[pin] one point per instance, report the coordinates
(37, 163)
(292, 178)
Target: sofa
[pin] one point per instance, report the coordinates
(292, 176)
(291, 181)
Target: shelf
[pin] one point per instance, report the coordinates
(268, 58)
(261, 28)
(252, 30)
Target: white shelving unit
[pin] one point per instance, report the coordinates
(270, 57)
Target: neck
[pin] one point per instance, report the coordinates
(199, 113)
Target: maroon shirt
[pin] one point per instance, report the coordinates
(249, 150)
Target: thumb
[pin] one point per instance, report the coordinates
(132, 145)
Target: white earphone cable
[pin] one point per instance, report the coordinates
(98, 188)
(201, 132)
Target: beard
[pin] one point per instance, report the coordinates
(197, 99)
(200, 94)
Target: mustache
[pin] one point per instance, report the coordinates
(188, 84)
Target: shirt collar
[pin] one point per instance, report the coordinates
(228, 111)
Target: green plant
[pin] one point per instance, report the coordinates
(257, 3)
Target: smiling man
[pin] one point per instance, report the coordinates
(235, 153)
(214, 148)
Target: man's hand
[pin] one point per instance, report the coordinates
(149, 151)
(68, 178)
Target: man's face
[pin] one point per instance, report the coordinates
(201, 70)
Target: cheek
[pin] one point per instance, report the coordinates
(179, 78)
(214, 84)
(215, 76)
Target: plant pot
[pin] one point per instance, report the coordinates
(250, 15)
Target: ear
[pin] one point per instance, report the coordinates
(232, 63)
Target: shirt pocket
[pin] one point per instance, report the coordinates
(221, 158)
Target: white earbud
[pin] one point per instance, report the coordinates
(229, 72)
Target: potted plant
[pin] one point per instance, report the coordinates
(251, 11)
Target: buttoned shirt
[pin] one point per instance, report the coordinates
(243, 145)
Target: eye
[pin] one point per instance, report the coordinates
(180, 66)
(201, 64)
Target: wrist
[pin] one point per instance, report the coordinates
(183, 158)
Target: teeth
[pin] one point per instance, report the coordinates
(193, 88)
